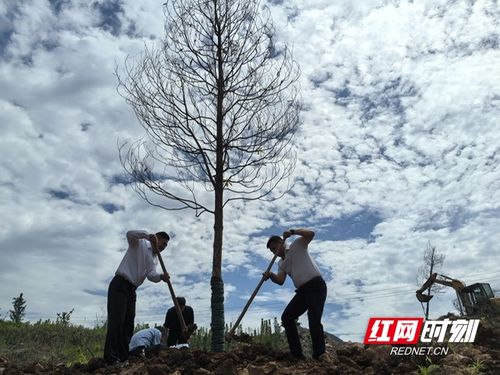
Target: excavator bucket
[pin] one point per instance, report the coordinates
(423, 297)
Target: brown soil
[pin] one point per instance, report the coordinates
(481, 357)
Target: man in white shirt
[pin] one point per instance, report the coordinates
(139, 262)
(310, 293)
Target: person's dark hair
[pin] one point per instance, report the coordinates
(161, 329)
(181, 301)
(163, 235)
(273, 239)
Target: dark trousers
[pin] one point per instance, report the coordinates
(309, 297)
(175, 337)
(121, 314)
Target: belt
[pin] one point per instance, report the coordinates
(310, 282)
(123, 278)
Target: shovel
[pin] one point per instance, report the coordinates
(186, 332)
(230, 334)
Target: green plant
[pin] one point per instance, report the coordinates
(476, 367)
(60, 341)
(47, 341)
(18, 311)
(64, 317)
(429, 368)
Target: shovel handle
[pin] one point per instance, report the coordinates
(172, 293)
(237, 323)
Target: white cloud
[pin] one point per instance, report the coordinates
(402, 116)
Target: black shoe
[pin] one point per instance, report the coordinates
(112, 361)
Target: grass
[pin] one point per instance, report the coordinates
(59, 342)
(429, 369)
(48, 342)
(476, 368)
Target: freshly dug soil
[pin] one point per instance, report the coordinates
(481, 357)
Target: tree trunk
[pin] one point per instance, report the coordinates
(217, 300)
(216, 282)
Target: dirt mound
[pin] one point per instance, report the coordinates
(488, 333)
(481, 357)
(246, 360)
(260, 360)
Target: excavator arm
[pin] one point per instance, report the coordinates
(438, 279)
(474, 299)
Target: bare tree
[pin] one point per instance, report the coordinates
(219, 103)
(433, 261)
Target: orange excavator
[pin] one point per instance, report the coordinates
(475, 299)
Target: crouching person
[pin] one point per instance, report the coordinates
(146, 341)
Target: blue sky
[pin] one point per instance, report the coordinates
(399, 146)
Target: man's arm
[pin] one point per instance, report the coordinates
(278, 278)
(133, 237)
(189, 315)
(168, 318)
(156, 337)
(156, 277)
(164, 336)
(151, 272)
(306, 234)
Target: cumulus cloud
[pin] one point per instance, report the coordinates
(398, 147)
